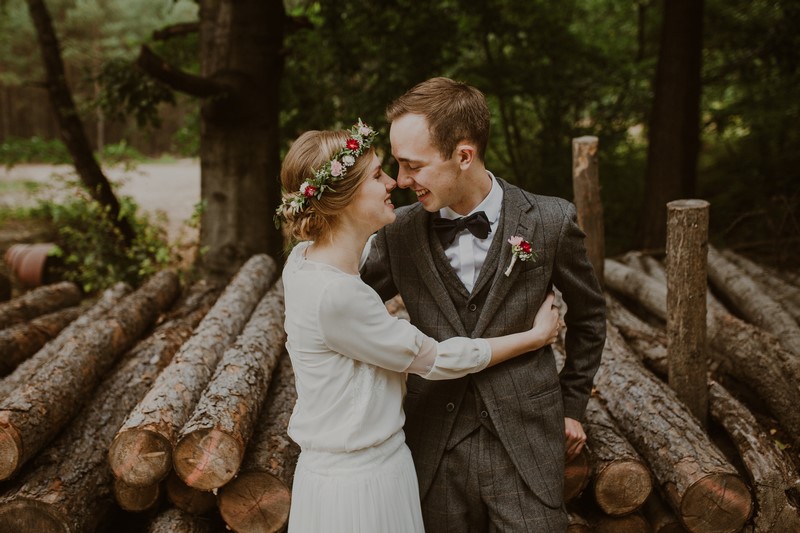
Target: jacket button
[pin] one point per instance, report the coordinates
(484, 414)
(472, 307)
(450, 406)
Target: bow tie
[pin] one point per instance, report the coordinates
(447, 229)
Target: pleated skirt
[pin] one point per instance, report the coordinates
(373, 490)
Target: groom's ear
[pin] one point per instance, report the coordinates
(465, 154)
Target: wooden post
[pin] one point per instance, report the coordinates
(586, 187)
(687, 252)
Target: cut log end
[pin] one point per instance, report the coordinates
(140, 457)
(622, 487)
(716, 503)
(577, 474)
(255, 501)
(10, 451)
(31, 515)
(207, 459)
(136, 499)
(632, 523)
(185, 498)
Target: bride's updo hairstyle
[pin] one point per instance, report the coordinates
(318, 216)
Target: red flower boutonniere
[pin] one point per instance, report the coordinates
(520, 249)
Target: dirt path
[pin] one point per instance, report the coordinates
(169, 188)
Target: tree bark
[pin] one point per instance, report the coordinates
(241, 47)
(33, 413)
(19, 342)
(784, 293)
(586, 184)
(141, 453)
(69, 483)
(258, 499)
(674, 129)
(26, 370)
(174, 520)
(772, 475)
(687, 248)
(211, 445)
(69, 122)
(647, 341)
(186, 498)
(39, 301)
(752, 301)
(742, 350)
(703, 488)
(621, 482)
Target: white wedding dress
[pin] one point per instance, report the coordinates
(350, 359)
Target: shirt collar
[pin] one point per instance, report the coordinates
(490, 205)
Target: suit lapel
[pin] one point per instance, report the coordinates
(515, 206)
(419, 246)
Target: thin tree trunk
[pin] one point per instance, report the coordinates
(19, 342)
(69, 485)
(141, 453)
(702, 486)
(212, 443)
(39, 301)
(674, 129)
(32, 414)
(687, 285)
(258, 499)
(69, 123)
(586, 184)
(26, 370)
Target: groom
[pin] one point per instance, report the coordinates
(489, 448)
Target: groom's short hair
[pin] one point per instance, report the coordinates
(454, 110)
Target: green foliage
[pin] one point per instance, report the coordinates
(127, 91)
(14, 151)
(90, 249)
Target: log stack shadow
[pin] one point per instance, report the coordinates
(145, 411)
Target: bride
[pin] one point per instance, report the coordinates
(350, 356)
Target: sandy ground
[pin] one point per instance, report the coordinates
(172, 189)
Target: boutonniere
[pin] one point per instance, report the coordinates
(520, 249)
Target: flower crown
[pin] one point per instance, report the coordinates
(360, 138)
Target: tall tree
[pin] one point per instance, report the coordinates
(69, 122)
(674, 130)
(241, 69)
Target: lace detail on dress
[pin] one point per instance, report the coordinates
(367, 383)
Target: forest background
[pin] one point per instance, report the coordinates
(688, 98)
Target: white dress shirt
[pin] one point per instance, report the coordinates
(467, 253)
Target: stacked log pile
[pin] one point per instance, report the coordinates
(177, 414)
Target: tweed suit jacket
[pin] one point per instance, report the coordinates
(525, 397)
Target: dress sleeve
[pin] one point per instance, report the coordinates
(355, 323)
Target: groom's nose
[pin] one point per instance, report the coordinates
(404, 181)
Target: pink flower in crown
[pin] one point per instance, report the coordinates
(352, 144)
(336, 168)
(364, 130)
